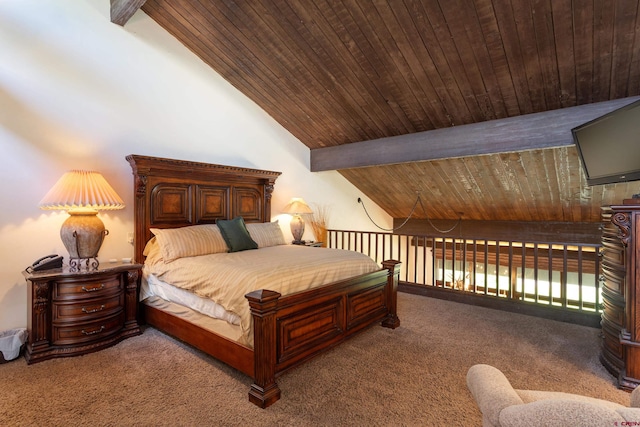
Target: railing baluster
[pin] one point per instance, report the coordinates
(416, 245)
(523, 272)
(550, 272)
(426, 256)
(434, 261)
(597, 281)
(580, 294)
(510, 270)
(497, 245)
(464, 264)
(535, 271)
(444, 264)
(564, 278)
(486, 267)
(475, 267)
(454, 249)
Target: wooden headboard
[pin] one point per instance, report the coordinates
(176, 193)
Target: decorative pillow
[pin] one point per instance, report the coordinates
(189, 241)
(151, 245)
(266, 234)
(235, 233)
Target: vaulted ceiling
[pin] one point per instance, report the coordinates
(336, 72)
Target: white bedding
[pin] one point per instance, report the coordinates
(154, 287)
(226, 278)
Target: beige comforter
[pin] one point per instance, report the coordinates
(227, 277)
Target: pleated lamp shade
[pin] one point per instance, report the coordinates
(81, 190)
(82, 194)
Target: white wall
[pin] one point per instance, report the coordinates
(77, 92)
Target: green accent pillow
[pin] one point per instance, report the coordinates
(235, 233)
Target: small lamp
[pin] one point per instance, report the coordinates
(295, 207)
(82, 194)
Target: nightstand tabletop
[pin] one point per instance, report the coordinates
(66, 271)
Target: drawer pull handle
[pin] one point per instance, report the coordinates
(93, 310)
(95, 331)
(96, 288)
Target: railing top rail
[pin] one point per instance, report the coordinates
(481, 240)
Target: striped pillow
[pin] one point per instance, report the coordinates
(266, 234)
(189, 241)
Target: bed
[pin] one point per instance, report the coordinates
(287, 329)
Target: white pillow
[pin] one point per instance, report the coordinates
(266, 234)
(189, 241)
(152, 252)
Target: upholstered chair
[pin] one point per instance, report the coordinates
(502, 405)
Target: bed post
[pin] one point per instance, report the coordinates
(392, 321)
(264, 391)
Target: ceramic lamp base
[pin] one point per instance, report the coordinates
(297, 228)
(82, 234)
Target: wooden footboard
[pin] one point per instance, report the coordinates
(292, 329)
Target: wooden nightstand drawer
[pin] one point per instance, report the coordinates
(86, 289)
(88, 331)
(96, 307)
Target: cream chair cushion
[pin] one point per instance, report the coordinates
(559, 413)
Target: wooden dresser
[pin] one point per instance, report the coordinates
(77, 312)
(620, 294)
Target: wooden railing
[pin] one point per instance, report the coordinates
(554, 275)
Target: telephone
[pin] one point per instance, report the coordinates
(48, 262)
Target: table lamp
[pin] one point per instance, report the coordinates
(296, 207)
(82, 194)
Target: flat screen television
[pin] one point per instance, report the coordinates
(609, 146)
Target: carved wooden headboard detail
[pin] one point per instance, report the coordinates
(176, 193)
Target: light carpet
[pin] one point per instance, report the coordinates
(410, 376)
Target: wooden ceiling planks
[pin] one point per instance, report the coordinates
(462, 23)
(434, 46)
(622, 47)
(528, 186)
(334, 57)
(335, 72)
(563, 31)
(583, 41)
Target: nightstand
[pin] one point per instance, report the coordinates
(77, 312)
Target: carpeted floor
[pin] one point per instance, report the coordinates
(411, 376)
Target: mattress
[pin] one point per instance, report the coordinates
(225, 278)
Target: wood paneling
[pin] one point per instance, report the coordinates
(531, 185)
(334, 72)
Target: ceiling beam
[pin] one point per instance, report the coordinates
(548, 129)
(123, 10)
